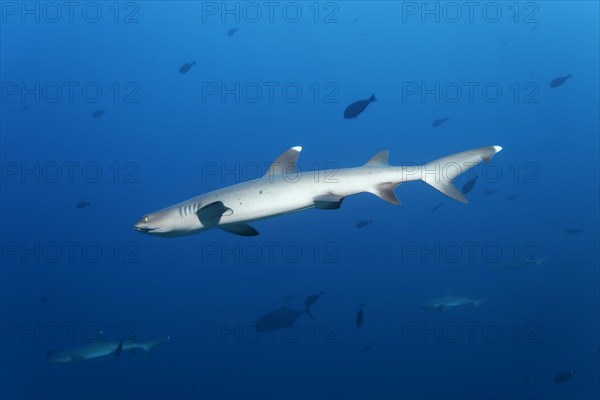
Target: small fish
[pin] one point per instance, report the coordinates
(489, 192)
(360, 319)
(82, 204)
(362, 224)
(467, 187)
(525, 381)
(513, 196)
(97, 113)
(26, 107)
(504, 44)
(232, 31)
(564, 376)
(573, 231)
(434, 209)
(186, 67)
(312, 299)
(356, 108)
(559, 81)
(44, 299)
(367, 348)
(439, 122)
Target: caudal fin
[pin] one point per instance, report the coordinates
(441, 172)
(148, 347)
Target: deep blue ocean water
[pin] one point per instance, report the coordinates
(94, 109)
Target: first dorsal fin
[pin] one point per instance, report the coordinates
(379, 159)
(285, 163)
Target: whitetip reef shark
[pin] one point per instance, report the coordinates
(285, 189)
(101, 348)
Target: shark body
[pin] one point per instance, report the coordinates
(285, 189)
(101, 348)
(449, 302)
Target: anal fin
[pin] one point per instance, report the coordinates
(385, 191)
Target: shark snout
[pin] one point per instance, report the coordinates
(143, 225)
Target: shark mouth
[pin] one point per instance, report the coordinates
(144, 230)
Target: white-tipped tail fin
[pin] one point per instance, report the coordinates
(441, 172)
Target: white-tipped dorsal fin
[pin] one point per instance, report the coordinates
(379, 159)
(285, 163)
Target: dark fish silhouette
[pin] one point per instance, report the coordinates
(513, 196)
(312, 299)
(51, 352)
(98, 113)
(525, 381)
(26, 107)
(82, 204)
(366, 348)
(434, 209)
(186, 67)
(573, 231)
(559, 81)
(564, 376)
(467, 187)
(44, 299)
(360, 319)
(279, 319)
(232, 31)
(362, 224)
(439, 122)
(354, 109)
(119, 349)
(489, 192)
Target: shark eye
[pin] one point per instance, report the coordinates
(145, 219)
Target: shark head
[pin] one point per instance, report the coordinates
(159, 223)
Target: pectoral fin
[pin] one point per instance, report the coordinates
(328, 202)
(211, 214)
(240, 229)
